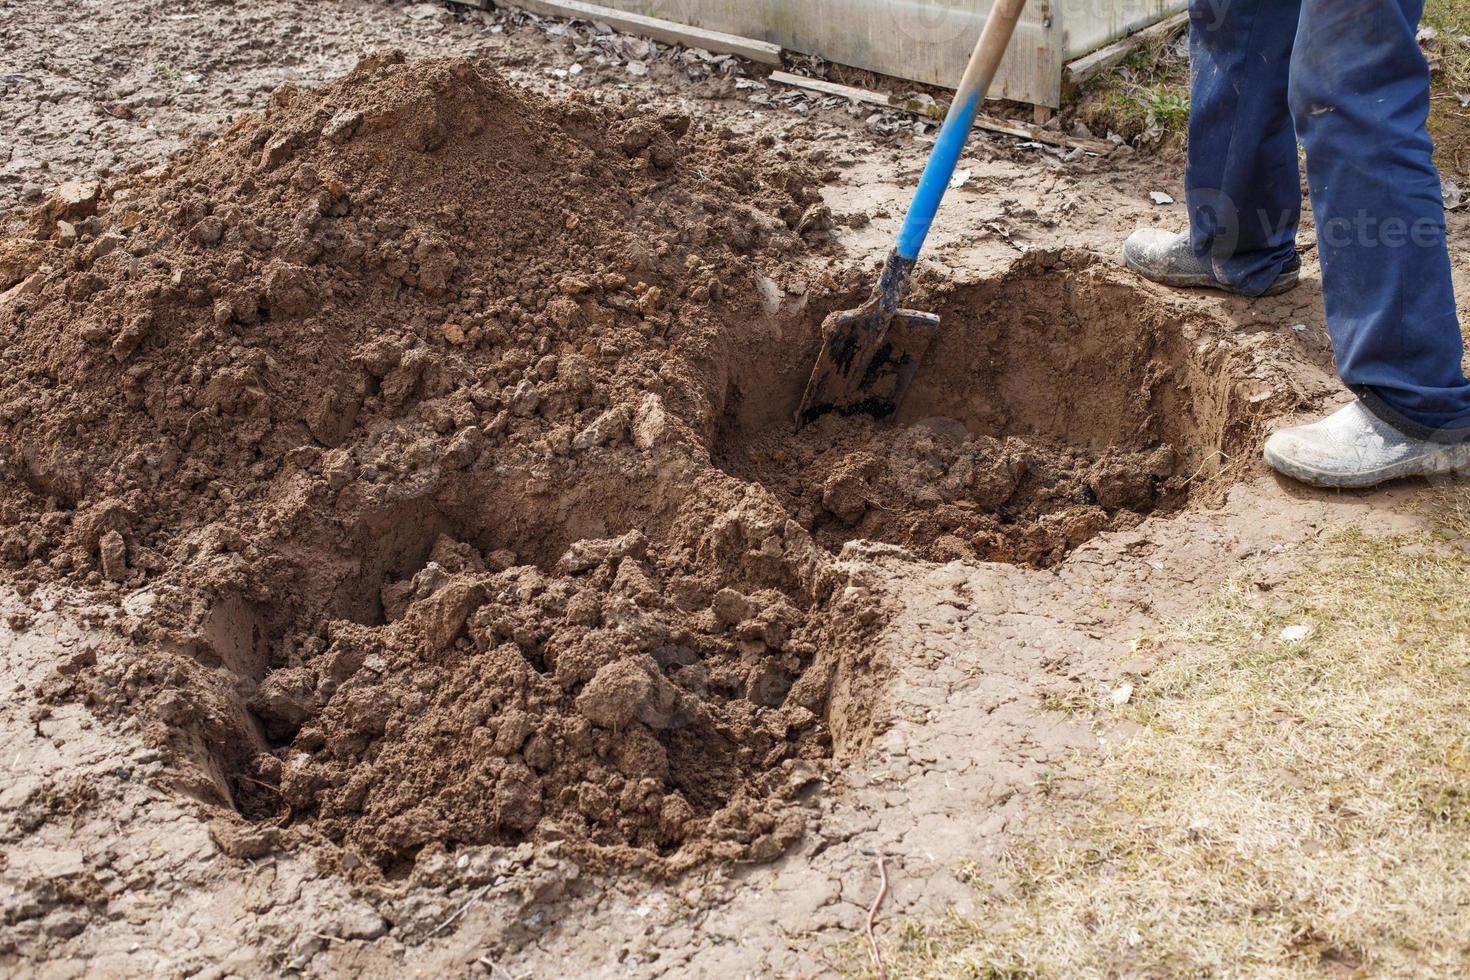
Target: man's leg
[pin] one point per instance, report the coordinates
(1360, 96)
(1242, 185)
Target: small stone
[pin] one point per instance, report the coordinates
(771, 295)
(525, 399)
(26, 287)
(277, 152)
(465, 448)
(337, 468)
(609, 428)
(356, 922)
(650, 423)
(342, 126)
(75, 199)
(730, 607)
(285, 700)
(64, 923)
(208, 231)
(106, 245)
(846, 496)
(113, 552)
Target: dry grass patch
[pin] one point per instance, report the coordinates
(1447, 507)
(1286, 807)
(1444, 30)
(1446, 40)
(1145, 99)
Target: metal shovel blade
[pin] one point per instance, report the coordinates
(867, 362)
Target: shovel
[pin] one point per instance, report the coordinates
(869, 355)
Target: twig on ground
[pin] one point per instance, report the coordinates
(497, 972)
(264, 785)
(872, 915)
(330, 939)
(1210, 458)
(461, 911)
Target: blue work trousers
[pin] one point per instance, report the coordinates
(1347, 79)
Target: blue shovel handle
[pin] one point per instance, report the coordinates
(989, 50)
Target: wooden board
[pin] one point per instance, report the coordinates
(1092, 65)
(1008, 127)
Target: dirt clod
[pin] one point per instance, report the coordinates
(112, 552)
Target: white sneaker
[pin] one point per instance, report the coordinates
(1353, 448)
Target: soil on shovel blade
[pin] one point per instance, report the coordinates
(438, 437)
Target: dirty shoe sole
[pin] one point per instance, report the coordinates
(1285, 281)
(1181, 280)
(1450, 461)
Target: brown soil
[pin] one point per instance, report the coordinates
(440, 433)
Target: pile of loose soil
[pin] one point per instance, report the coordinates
(432, 442)
(385, 418)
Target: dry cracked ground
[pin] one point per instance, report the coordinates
(1015, 787)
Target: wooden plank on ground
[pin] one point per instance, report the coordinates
(652, 27)
(1007, 127)
(1092, 65)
